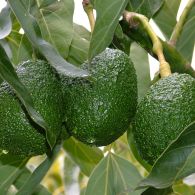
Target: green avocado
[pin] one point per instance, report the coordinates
(19, 135)
(97, 112)
(167, 108)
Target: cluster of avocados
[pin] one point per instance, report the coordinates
(95, 112)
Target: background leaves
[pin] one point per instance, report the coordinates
(84, 156)
(114, 175)
(33, 33)
(55, 19)
(145, 7)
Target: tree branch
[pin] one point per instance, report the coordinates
(157, 48)
(176, 61)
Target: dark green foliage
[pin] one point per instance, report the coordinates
(98, 112)
(19, 135)
(163, 113)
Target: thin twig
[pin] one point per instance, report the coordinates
(179, 26)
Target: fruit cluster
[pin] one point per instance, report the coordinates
(96, 112)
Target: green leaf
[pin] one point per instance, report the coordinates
(10, 168)
(140, 59)
(80, 45)
(145, 7)
(121, 41)
(104, 28)
(78, 50)
(186, 41)
(45, 3)
(21, 179)
(175, 163)
(84, 156)
(113, 175)
(55, 19)
(32, 30)
(21, 49)
(8, 73)
(154, 191)
(5, 22)
(166, 17)
(34, 180)
(82, 31)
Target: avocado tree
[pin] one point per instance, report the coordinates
(79, 112)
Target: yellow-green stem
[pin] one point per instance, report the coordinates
(179, 26)
(89, 11)
(135, 18)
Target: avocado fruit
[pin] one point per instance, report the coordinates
(19, 135)
(99, 110)
(167, 108)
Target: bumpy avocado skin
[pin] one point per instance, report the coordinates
(167, 108)
(99, 111)
(19, 135)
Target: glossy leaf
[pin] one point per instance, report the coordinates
(113, 175)
(32, 30)
(10, 168)
(34, 180)
(166, 17)
(8, 73)
(186, 41)
(175, 163)
(104, 29)
(145, 7)
(84, 156)
(140, 59)
(5, 22)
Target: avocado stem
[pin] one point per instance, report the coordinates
(88, 8)
(134, 19)
(179, 25)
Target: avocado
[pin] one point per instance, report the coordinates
(167, 108)
(19, 135)
(98, 111)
